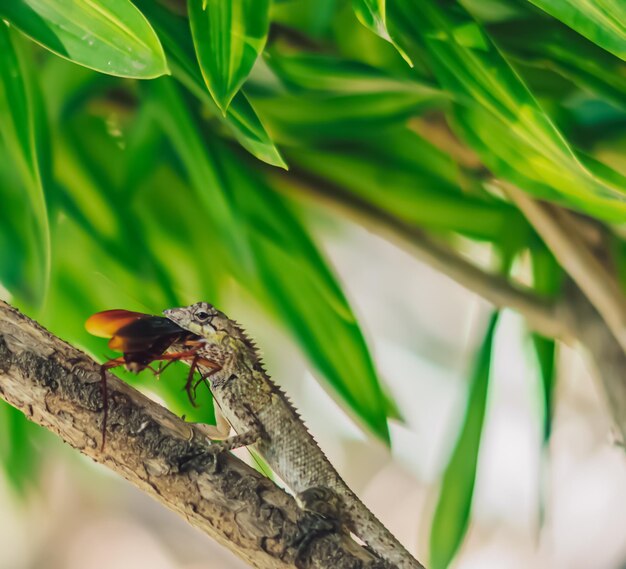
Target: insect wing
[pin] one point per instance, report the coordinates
(147, 334)
(108, 323)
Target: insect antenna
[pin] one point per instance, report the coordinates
(104, 390)
(105, 404)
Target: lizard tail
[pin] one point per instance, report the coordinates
(370, 529)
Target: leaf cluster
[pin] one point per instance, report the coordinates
(152, 154)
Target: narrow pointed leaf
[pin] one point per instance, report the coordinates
(515, 162)
(545, 348)
(300, 286)
(509, 129)
(453, 508)
(110, 36)
(326, 74)
(372, 14)
(203, 170)
(241, 118)
(556, 47)
(16, 257)
(547, 280)
(393, 173)
(228, 36)
(20, 128)
(19, 456)
(601, 21)
(293, 119)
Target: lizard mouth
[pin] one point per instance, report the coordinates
(170, 313)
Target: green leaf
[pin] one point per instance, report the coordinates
(205, 174)
(452, 513)
(509, 129)
(14, 239)
(503, 154)
(110, 36)
(228, 36)
(241, 118)
(326, 74)
(143, 151)
(297, 283)
(548, 278)
(557, 48)
(601, 21)
(618, 247)
(373, 15)
(23, 131)
(408, 178)
(311, 17)
(19, 456)
(335, 99)
(545, 348)
(189, 251)
(343, 116)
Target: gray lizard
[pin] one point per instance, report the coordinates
(264, 418)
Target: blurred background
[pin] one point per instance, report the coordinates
(319, 169)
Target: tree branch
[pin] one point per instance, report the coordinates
(608, 357)
(58, 387)
(562, 236)
(541, 315)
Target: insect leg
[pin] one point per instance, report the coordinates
(115, 362)
(190, 386)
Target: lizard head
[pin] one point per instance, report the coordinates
(202, 319)
(213, 326)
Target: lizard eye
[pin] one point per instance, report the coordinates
(202, 316)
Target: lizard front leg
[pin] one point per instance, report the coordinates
(207, 459)
(248, 438)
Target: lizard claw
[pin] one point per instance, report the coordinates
(322, 501)
(321, 515)
(311, 526)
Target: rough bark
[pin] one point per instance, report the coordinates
(58, 387)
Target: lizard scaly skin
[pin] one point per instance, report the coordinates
(264, 418)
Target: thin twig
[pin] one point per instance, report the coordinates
(540, 314)
(608, 357)
(561, 234)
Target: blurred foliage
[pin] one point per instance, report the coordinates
(123, 187)
(453, 509)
